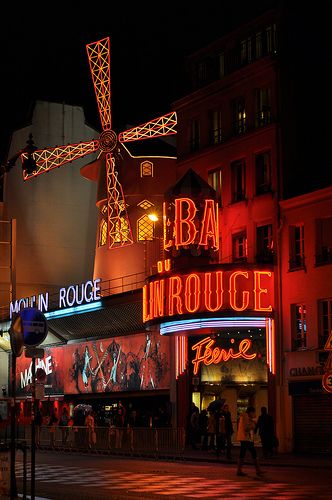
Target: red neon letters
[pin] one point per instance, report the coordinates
(190, 226)
(207, 354)
(210, 291)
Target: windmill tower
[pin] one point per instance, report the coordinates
(113, 170)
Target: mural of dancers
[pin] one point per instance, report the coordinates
(138, 362)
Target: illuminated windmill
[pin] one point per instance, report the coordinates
(118, 225)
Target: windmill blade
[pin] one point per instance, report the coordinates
(47, 159)
(99, 61)
(162, 126)
(118, 224)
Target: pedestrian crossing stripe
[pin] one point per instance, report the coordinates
(177, 486)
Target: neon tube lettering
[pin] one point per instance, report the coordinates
(180, 221)
(210, 228)
(258, 290)
(159, 294)
(233, 291)
(218, 291)
(192, 290)
(175, 288)
(205, 353)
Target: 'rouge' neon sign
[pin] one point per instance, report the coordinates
(207, 354)
(186, 224)
(211, 291)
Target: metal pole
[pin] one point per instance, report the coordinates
(33, 428)
(13, 488)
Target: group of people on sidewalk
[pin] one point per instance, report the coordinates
(213, 429)
(65, 422)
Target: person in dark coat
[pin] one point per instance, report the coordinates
(265, 429)
(229, 431)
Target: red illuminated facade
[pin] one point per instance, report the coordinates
(228, 288)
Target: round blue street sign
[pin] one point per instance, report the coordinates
(34, 326)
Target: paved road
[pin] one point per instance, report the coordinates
(71, 476)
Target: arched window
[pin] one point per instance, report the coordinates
(146, 169)
(102, 233)
(145, 228)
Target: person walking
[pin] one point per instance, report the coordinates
(90, 426)
(245, 434)
(265, 428)
(211, 429)
(64, 420)
(229, 431)
(52, 426)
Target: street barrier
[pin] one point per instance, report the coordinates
(136, 441)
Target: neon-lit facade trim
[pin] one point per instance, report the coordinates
(164, 125)
(270, 345)
(197, 324)
(181, 355)
(99, 61)
(47, 159)
(119, 230)
(69, 311)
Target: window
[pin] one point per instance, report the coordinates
(221, 64)
(102, 240)
(238, 115)
(194, 135)
(245, 51)
(215, 180)
(263, 172)
(296, 247)
(324, 241)
(325, 316)
(238, 180)
(263, 107)
(145, 228)
(146, 169)
(258, 45)
(264, 239)
(145, 204)
(201, 72)
(216, 134)
(299, 326)
(239, 247)
(270, 34)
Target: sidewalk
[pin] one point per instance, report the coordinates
(280, 460)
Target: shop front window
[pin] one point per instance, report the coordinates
(299, 327)
(325, 320)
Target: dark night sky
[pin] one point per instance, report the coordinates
(43, 54)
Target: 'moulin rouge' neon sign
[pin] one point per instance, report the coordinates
(216, 288)
(207, 354)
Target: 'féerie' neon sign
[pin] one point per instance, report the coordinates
(207, 354)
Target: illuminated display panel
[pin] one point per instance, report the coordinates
(237, 356)
(137, 362)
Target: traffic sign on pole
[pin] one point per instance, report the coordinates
(34, 326)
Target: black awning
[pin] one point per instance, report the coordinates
(120, 315)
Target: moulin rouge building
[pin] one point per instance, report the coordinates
(200, 305)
